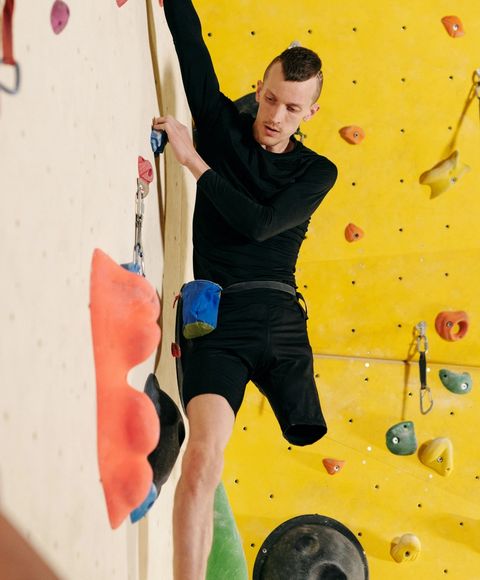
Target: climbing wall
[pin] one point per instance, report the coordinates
(69, 146)
(393, 71)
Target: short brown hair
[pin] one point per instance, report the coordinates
(299, 64)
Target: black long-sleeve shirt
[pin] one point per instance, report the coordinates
(253, 206)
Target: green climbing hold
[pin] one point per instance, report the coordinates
(401, 438)
(227, 558)
(458, 383)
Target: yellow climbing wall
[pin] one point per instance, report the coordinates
(392, 69)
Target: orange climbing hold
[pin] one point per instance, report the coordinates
(447, 322)
(145, 169)
(352, 134)
(333, 466)
(453, 26)
(124, 310)
(353, 233)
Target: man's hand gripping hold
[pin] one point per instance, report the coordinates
(182, 144)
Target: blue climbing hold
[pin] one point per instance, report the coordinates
(401, 438)
(458, 383)
(158, 140)
(138, 513)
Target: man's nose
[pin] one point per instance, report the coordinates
(277, 115)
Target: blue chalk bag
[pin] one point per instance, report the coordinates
(200, 302)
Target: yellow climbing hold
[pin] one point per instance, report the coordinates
(444, 175)
(438, 455)
(405, 548)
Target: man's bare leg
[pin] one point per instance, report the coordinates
(210, 420)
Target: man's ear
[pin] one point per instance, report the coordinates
(258, 91)
(313, 109)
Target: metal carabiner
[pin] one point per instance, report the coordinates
(421, 328)
(16, 84)
(425, 393)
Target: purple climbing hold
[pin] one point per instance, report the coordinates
(59, 16)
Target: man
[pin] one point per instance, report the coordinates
(257, 188)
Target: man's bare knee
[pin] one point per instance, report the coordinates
(202, 467)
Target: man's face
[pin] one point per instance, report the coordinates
(282, 105)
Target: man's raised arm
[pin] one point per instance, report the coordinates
(199, 78)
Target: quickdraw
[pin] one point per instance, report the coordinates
(426, 399)
(7, 42)
(138, 257)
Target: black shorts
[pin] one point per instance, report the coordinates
(261, 336)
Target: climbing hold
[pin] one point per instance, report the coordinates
(352, 134)
(142, 510)
(124, 309)
(121, 2)
(446, 322)
(311, 546)
(158, 140)
(163, 457)
(444, 174)
(405, 548)
(176, 350)
(453, 26)
(458, 383)
(132, 267)
(438, 455)
(145, 169)
(401, 438)
(227, 558)
(333, 466)
(353, 233)
(59, 16)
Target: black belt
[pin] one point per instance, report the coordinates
(272, 284)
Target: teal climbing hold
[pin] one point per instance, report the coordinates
(401, 438)
(227, 558)
(458, 383)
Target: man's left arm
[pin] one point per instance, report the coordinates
(290, 208)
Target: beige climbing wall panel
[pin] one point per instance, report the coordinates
(391, 69)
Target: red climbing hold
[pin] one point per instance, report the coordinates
(453, 26)
(124, 310)
(353, 233)
(145, 169)
(446, 322)
(352, 134)
(59, 16)
(121, 2)
(333, 466)
(176, 350)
